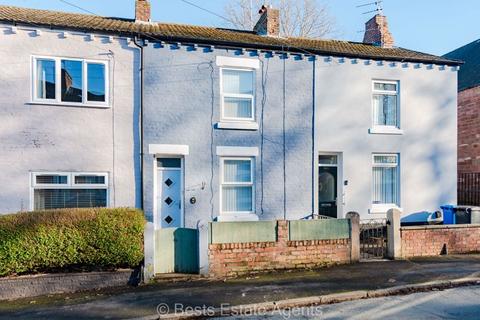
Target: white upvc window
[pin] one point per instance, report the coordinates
(56, 190)
(386, 106)
(70, 81)
(237, 191)
(237, 94)
(386, 182)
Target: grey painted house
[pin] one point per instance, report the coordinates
(236, 126)
(68, 113)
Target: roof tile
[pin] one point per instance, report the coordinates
(209, 35)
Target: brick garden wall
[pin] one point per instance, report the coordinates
(234, 259)
(434, 240)
(469, 130)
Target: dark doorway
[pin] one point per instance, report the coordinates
(327, 191)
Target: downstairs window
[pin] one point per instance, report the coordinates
(237, 185)
(69, 190)
(386, 181)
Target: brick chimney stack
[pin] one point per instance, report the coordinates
(142, 11)
(269, 22)
(377, 33)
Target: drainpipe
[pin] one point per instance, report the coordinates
(142, 65)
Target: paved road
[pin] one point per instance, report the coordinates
(123, 303)
(460, 303)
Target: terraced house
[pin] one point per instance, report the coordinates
(199, 124)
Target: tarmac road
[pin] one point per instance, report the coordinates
(459, 303)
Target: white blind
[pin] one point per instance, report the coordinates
(69, 198)
(237, 107)
(236, 198)
(237, 188)
(237, 81)
(385, 185)
(386, 179)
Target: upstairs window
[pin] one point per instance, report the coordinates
(69, 190)
(70, 81)
(237, 94)
(386, 109)
(45, 79)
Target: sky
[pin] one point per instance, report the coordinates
(432, 26)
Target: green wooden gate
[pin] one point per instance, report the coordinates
(176, 251)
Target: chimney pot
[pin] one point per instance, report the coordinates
(269, 22)
(377, 32)
(142, 11)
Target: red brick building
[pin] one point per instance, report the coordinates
(468, 107)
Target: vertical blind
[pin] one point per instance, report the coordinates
(237, 108)
(238, 93)
(237, 81)
(385, 180)
(237, 188)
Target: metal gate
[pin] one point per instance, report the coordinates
(373, 239)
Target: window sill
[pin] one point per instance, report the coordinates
(66, 104)
(234, 217)
(382, 208)
(252, 126)
(385, 130)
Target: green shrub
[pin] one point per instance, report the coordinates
(70, 239)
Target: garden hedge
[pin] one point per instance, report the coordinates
(70, 239)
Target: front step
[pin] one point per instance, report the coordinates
(176, 277)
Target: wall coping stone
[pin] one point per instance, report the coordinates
(442, 226)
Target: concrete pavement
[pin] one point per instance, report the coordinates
(143, 301)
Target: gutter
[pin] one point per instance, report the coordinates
(140, 120)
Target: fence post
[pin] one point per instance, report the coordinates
(394, 240)
(149, 247)
(354, 218)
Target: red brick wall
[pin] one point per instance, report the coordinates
(234, 259)
(377, 32)
(430, 241)
(142, 10)
(469, 130)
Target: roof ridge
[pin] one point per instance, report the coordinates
(209, 35)
(53, 11)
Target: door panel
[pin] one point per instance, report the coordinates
(169, 198)
(327, 191)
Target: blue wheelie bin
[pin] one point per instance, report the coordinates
(448, 214)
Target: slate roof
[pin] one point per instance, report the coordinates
(469, 74)
(208, 35)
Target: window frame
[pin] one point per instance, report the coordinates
(69, 185)
(384, 207)
(239, 184)
(224, 95)
(58, 82)
(379, 128)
